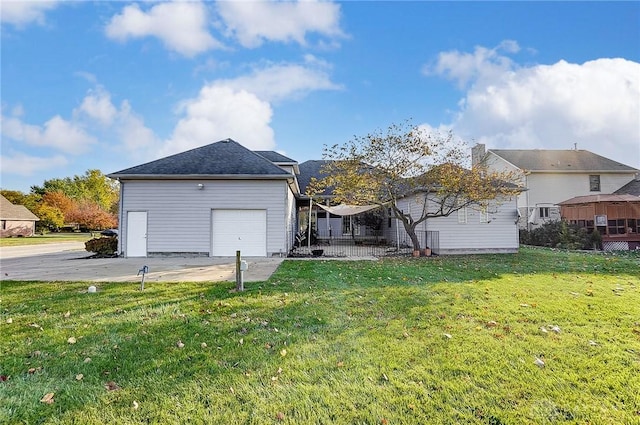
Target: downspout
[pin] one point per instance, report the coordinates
(121, 219)
(526, 185)
(309, 225)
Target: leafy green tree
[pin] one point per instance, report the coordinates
(92, 186)
(50, 217)
(383, 167)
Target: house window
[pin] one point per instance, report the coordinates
(616, 227)
(594, 183)
(4, 224)
(462, 215)
(484, 214)
(350, 225)
(543, 212)
(389, 215)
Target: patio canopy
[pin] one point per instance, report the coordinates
(344, 209)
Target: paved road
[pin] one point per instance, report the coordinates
(68, 262)
(32, 250)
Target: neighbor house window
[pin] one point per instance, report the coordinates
(4, 224)
(543, 212)
(617, 227)
(594, 183)
(462, 215)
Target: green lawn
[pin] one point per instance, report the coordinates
(399, 341)
(48, 238)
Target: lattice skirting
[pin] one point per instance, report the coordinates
(615, 246)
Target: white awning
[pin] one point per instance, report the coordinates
(344, 209)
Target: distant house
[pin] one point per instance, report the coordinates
(617, 218)
(16, 220)
(552, 176)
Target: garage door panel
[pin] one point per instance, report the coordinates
(243, 230)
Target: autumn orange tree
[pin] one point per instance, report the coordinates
(406, 160)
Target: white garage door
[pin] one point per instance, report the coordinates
(239, 230)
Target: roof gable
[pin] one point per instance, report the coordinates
(225, 158)
(560, 160)
(310, 169)
(276, 157)
(631, 188)
(9, 211)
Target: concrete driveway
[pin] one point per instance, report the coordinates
(68, 262)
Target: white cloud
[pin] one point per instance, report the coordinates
(97, 105)
(222, 112)
(252, 23)
(595, 104)
(482, 64)
(25, 165)
(182, 26)
(132, 132)
(57, 133)
(21, 13)
(283, 81)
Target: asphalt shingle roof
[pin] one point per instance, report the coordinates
(223, 158)
(631, 188)
(560, 160)
(276, 157)
(9, 211)
(309, 169)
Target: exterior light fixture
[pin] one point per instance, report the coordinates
(200, 186)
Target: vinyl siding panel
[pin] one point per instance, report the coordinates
(179, 214)
(498, 234)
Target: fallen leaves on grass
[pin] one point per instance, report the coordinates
(9, 320)
(67, 314)
(283, 352)
(111, 386)
(135, 405)
(448, 336)
(280, 416)
(180, 344)
(48, 398)
(71, 340)
(539, 362)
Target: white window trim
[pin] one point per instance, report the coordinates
(462, 215)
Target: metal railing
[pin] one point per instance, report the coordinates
(360, 245)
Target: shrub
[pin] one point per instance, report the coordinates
(102, 246)
(560, 234)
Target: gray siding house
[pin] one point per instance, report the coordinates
(209, 201)
(220, 198)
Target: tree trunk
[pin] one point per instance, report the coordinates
(414, 239)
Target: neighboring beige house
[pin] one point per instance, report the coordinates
(16, 220)
(553, 176)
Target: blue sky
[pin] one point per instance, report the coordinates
(110, 85)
